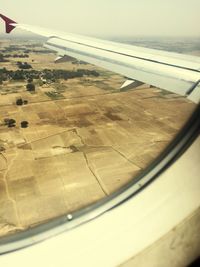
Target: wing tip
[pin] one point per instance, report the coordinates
(8, 23)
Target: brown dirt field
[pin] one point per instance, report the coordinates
(81, 148)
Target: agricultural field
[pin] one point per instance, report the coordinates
(74, 141)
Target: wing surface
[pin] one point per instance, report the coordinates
(173, 72)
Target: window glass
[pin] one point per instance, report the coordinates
(69, 136)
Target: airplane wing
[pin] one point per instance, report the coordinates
(173, 72)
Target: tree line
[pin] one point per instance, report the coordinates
(2, 59)
(46, 74)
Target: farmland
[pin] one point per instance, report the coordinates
(85, 138)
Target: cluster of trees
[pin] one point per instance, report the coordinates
(3, 75)
(11, 48)
(18, 74)
(37, 51)
(12, 123)
(16, 55)
(45, 74)
(65, 74)
(25, 50)
(20, 102)
(24, 65)
(2, 149)
(24, 124)
(30, 87)
(2, 58)
(43, 51)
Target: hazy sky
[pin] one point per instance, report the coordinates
(109, 17)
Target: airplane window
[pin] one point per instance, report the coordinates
(69, 136)
(72, 134)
